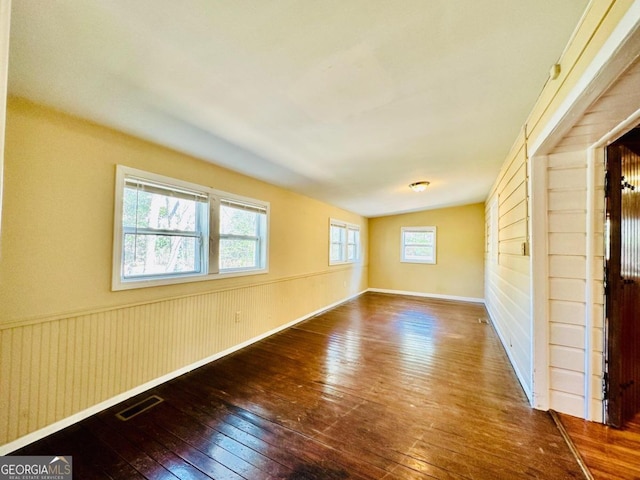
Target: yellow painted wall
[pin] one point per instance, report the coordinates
(57, 246)
(459, 270)
(67, 342)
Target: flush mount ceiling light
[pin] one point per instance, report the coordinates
(418, 186)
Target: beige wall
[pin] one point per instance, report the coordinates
(67, 342)
(459, 268)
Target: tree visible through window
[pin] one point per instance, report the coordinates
(241, 227)
(163, 230)
(169, 231)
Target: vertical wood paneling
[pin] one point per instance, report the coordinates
(34, 378)
(45, 354)
(54, 369)
(630, 271)
(25, 352)
(5, 382)
(60, 371)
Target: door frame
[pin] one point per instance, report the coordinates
(613, 58)
(598, 151)
(613, 319)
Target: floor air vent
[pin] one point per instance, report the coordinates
(138, 408)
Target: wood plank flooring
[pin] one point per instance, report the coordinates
(380, 387)
(609, 453)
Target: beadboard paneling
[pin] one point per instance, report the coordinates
(54, 369)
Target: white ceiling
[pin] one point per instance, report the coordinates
(347, 101)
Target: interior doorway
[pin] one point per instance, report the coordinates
(622, 380)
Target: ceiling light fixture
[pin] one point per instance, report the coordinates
(418, 186)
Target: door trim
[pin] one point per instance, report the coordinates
(613, 359)
(539, 281)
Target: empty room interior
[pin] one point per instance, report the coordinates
(321, 240)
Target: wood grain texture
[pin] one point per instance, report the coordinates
(609, 453)
(380, 387)
(630, 272)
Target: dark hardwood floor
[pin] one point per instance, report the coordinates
(381, 387)
(609, 453)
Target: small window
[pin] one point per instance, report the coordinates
(344, 242)
(242, 227)
(169, 231)
(418, 245)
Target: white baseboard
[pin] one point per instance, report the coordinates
(428, 295)
(514, 365)
(77, 417)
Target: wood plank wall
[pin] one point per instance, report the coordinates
(57, 367)
(576, 304)
(567, 227)
(507, 277)
(507, 284)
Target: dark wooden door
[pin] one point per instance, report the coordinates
(623, 279)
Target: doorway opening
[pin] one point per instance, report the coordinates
(622, 281)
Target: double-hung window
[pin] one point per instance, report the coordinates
(418, 245)
(344, 242)
(163, 229)
(169, 231)
(242, 231)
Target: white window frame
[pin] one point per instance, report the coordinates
(261, 239)
(403, 257)
(344, 245)
(209, 236)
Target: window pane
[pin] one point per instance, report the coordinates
(158, 255)
(353, 237)
(154, 210)
(337, 234)
(336, 252)
(238, 253)
(235, 221)
(418, 253)
(418, 238)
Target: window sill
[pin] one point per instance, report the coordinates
(119, 285)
